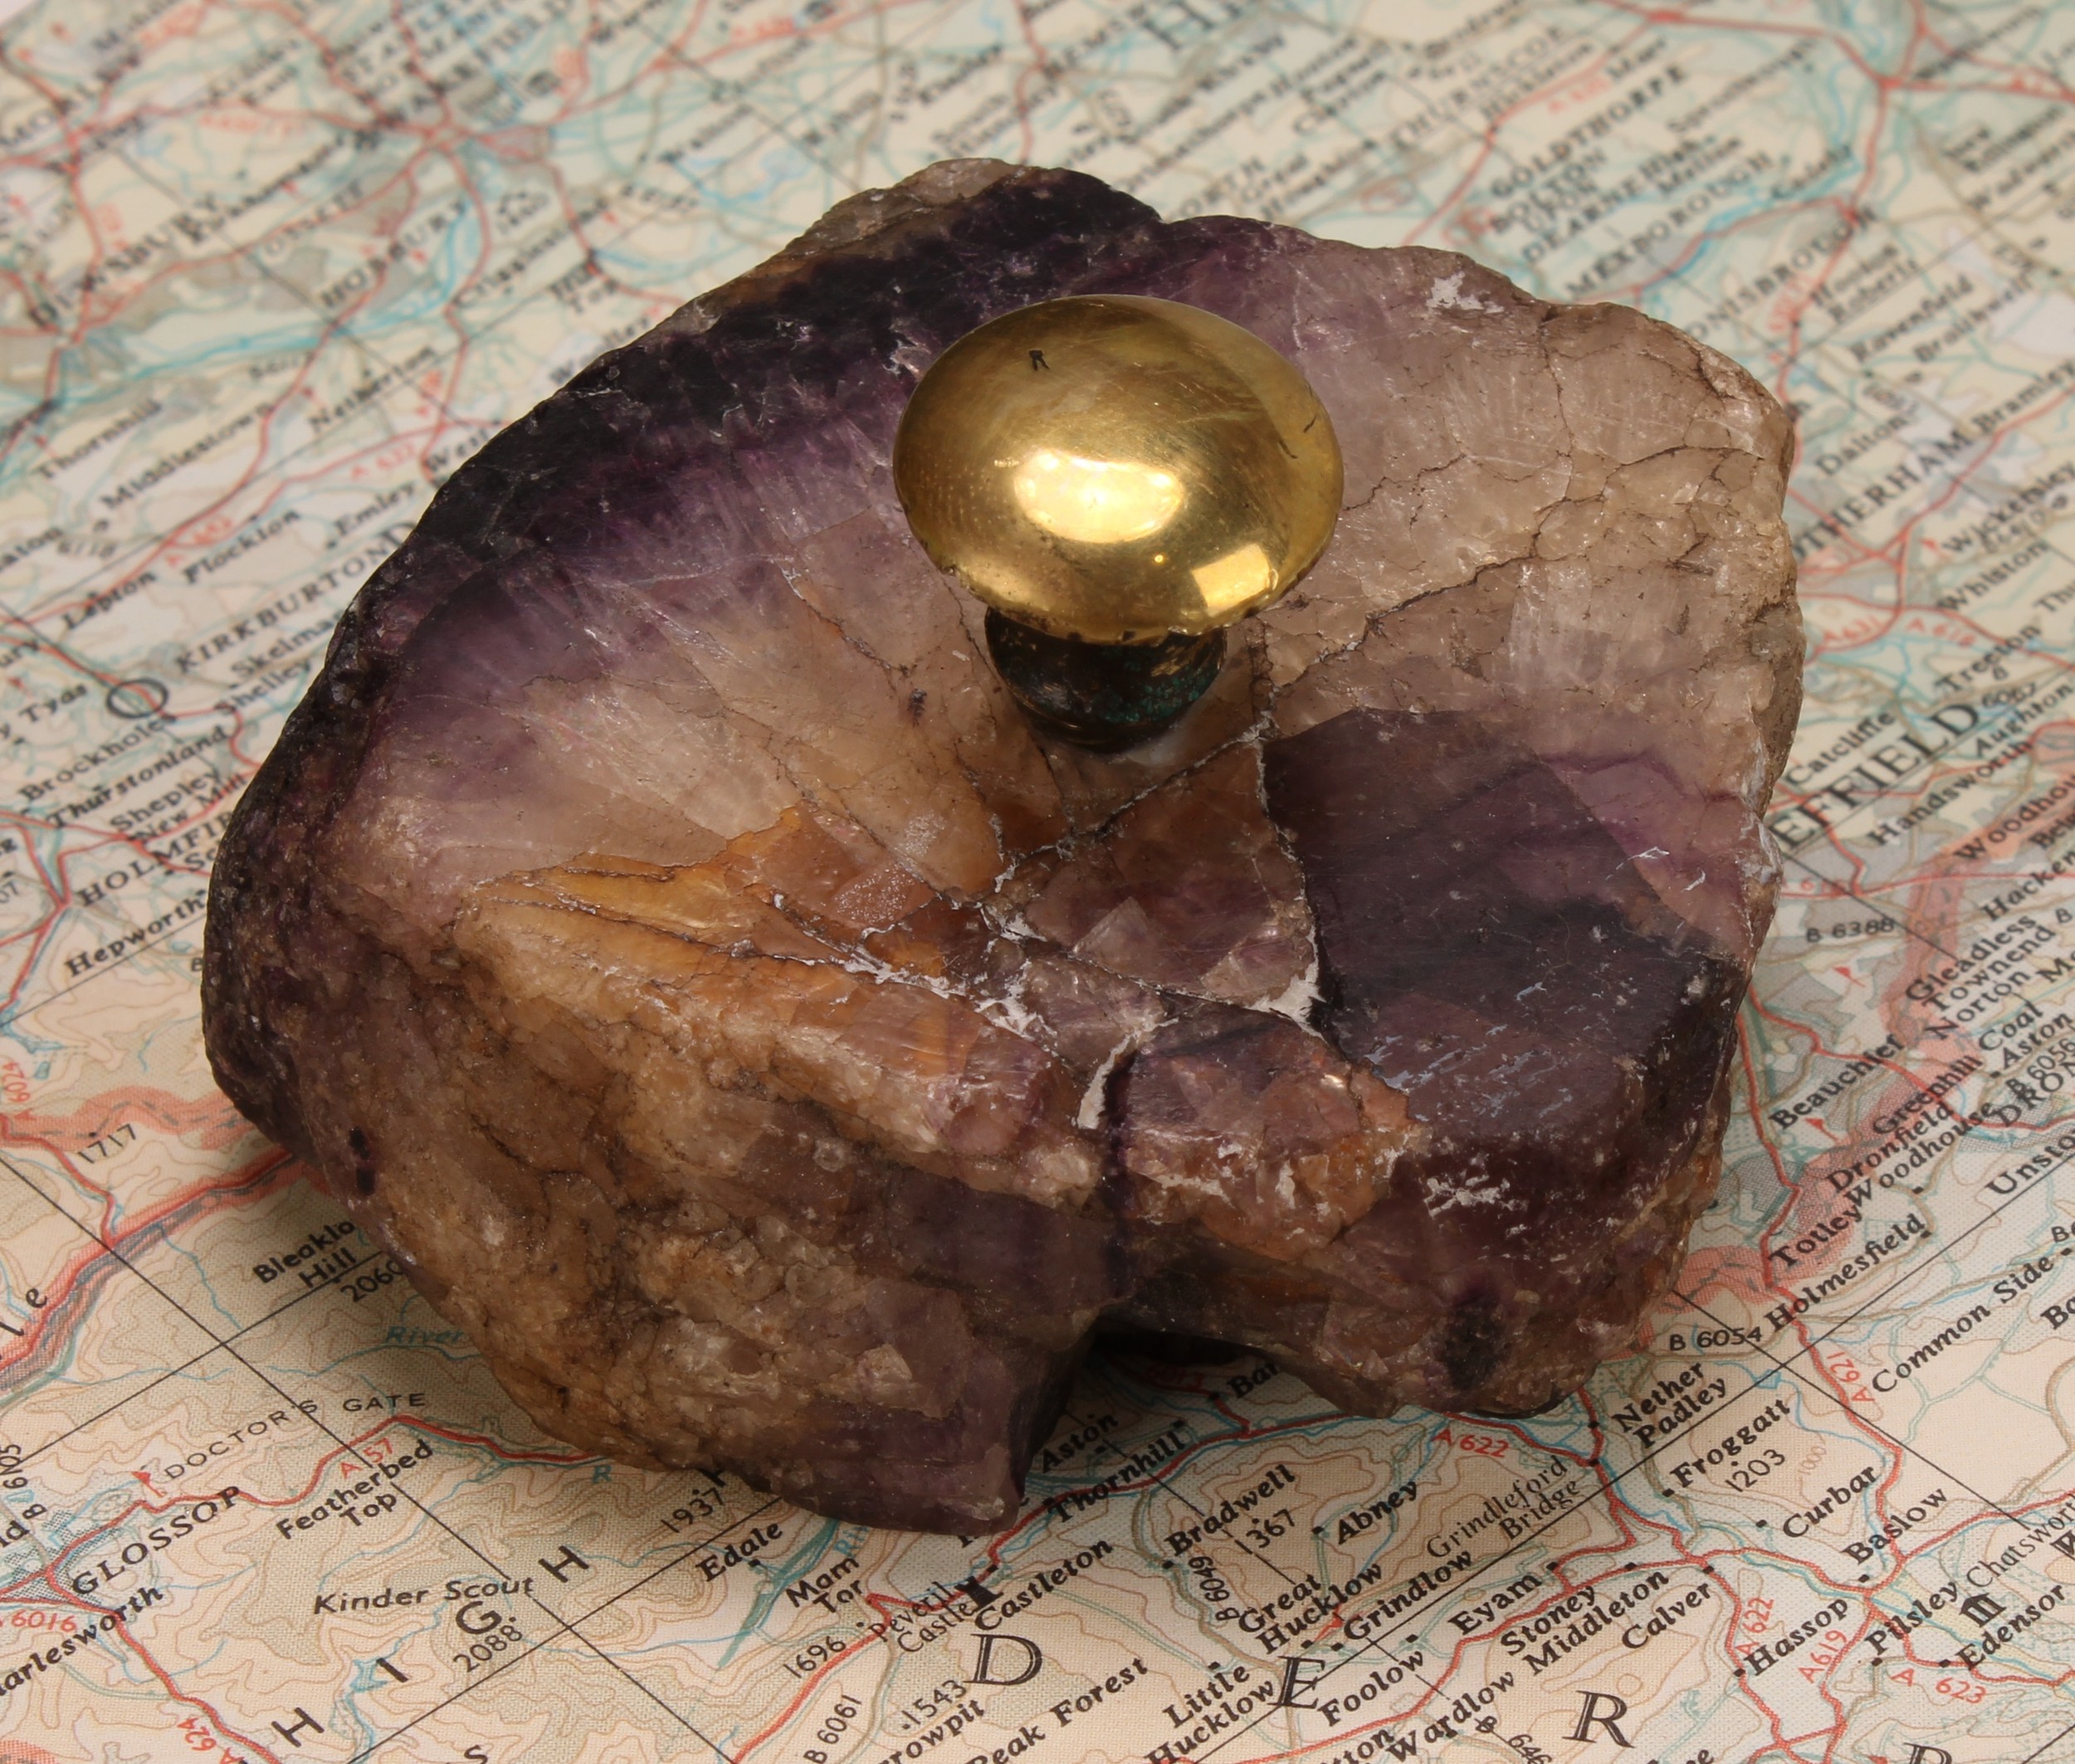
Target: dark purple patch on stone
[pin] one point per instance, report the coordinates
(1486, 947)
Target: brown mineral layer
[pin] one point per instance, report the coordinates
(660, 929)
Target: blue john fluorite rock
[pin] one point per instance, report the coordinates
(660, 929)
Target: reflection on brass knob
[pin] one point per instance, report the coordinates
(1116, 469)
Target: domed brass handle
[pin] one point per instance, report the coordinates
(1119, 479)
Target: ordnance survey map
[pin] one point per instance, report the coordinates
(269, 269)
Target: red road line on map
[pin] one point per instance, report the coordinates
(288, 482)
(1894, 551)
(885, 1604)
(338, 1454)
(1489, 137)
(806, 1690)
(499, 1448)
(241, 1186)
(66, 1597)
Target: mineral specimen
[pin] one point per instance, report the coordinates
(660, 930)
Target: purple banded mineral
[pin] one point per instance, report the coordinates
(660, 929)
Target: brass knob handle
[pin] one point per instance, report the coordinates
(1110, 473)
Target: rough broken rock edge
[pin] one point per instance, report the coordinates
(658, 929)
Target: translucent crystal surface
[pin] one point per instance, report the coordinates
(658, 927)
